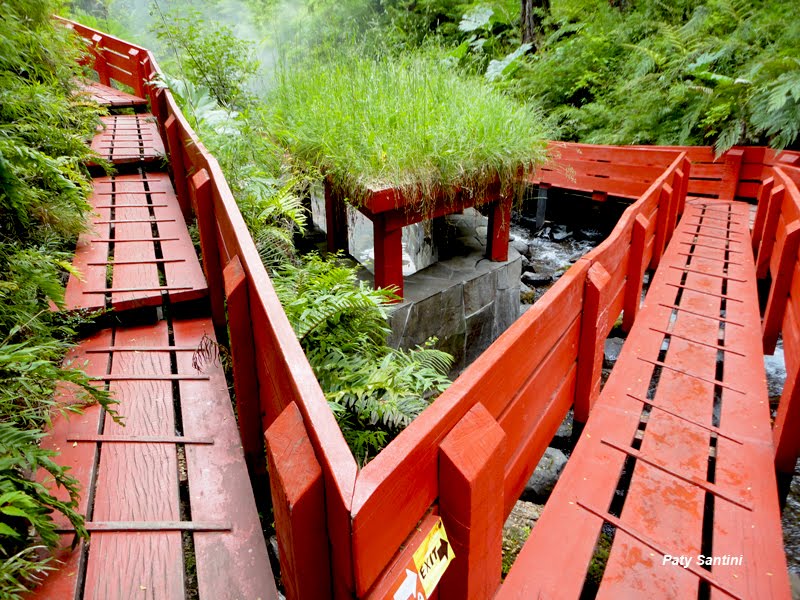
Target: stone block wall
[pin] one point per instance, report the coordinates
(466, 302)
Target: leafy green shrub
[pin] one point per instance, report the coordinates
(409, 123)
(210, 54)
(719, 72)
(375, 391)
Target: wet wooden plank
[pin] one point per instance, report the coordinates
(137, 233)
(187, 273)
(108, 96)
(64, 582)
(219, 485)
(138, 482)
(137, 271)
(129, 139)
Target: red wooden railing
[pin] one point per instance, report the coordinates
(776, 245)
(467, 456)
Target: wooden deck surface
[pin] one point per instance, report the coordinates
(167, 496)
(129, 139)
(111, 97)
(138, 248)
(676, 459)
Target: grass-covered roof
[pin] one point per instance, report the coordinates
(411, 123)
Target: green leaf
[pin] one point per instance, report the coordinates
(477, 18)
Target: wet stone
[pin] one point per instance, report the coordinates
(612, 349)
(479, 292)
(546, 475)
(536, 279)
(506, 310)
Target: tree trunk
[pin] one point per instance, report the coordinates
(532, 16)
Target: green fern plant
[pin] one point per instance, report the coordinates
(374, 390)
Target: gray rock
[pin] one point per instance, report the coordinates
(508, 276)
(441, 315)
(794, 585)
(524, 289)
(479, 332)
(520, 246)
(506, 309)
(517, 529)
(546, 475)
(481, 230)
(273, 546)
(612, 350)
(398, 319)
(560, 233)
(526, 264)
(536, 279)
(479, 292)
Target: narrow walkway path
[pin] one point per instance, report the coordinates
(138, 248)
(167, 496)
(676, 460)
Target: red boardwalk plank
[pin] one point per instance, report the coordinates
(109, 96)
(149, 483)
(685, 410)
(138, 247)
(129, 139)
(138, 482)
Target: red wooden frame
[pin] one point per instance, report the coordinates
(389, 211)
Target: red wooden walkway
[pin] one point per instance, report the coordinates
(676, 459)
(129, 139)
(167, 494)
(138, 247)
(106, 95)
(681, 427)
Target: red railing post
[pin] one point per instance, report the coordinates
(179, 172)
(779, 291)
(770, 228)
(388, 254)
(245, 377)
(298, 498)
(591, 347)
(499, 229)
(471, 472)
(662, 224)
(786, 426)
(138, 72)
(762, 207)
(730, 177)
(100, 64)
(202, 203)
(635, 276)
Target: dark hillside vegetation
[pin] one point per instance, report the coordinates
(689, 72)
(43, 191)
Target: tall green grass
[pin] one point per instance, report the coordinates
(408, 122)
